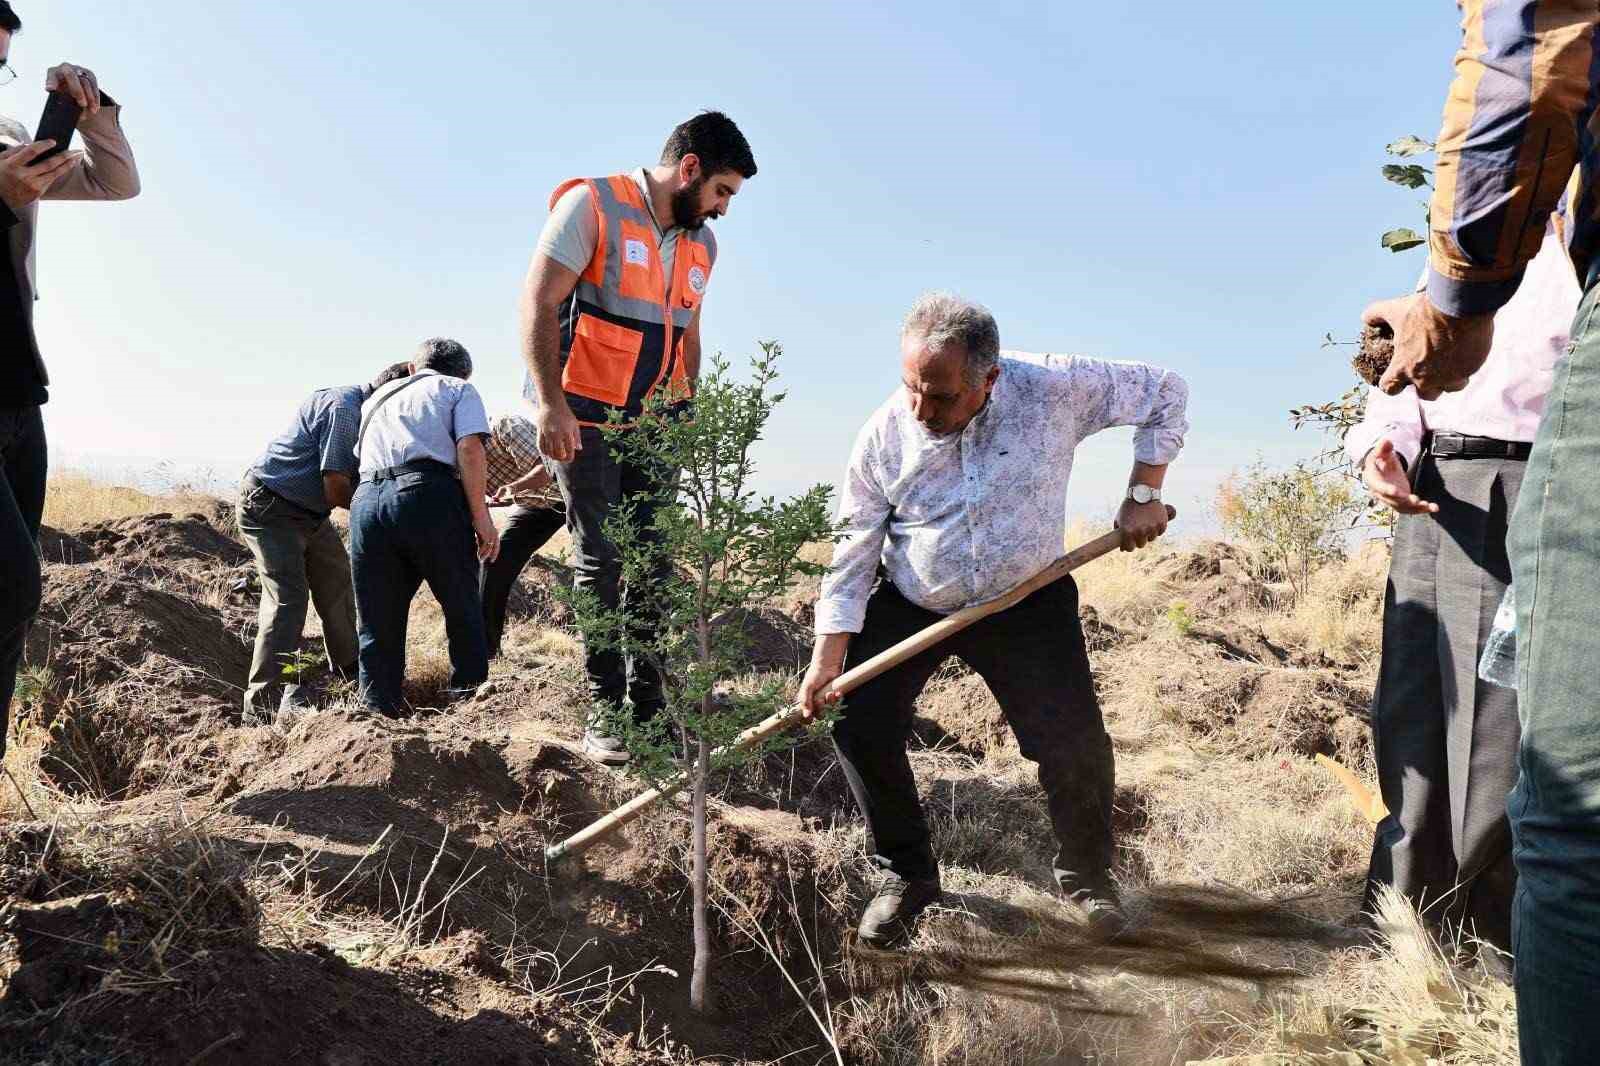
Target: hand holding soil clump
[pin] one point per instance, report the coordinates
(1373, 355)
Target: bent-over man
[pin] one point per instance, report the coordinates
(956, 493)
(419, 515)
(517, 476)
(285, 502)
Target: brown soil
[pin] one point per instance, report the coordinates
(370, 822)
(1375, 349)
(195, 537)
(772, 639)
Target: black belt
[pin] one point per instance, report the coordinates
(1461, 446)
(415, 466)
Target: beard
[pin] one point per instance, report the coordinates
(686, 206)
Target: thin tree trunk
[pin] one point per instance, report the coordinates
(699, 989)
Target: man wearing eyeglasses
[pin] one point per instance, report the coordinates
(103, 170)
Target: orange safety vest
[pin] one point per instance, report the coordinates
(621, 331)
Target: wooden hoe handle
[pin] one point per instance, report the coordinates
(853, 679)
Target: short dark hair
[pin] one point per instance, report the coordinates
(713, 137)
(8, 18)
(393, 372)
(445, 356)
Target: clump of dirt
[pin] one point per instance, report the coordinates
(1374, 351)
(148, 945)
(1308, 713)
(127, 913)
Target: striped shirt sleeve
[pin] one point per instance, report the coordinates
(1509, 141)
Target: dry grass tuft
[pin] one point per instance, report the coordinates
(1267, 825)
(1407, 1002)
(73, 500)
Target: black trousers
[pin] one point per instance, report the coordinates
(24, 461)
(525, 533)
(593, 485)
(1446, 741)
(1033, 659)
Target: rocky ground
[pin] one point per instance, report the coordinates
(339, 890)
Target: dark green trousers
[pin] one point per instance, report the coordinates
(1555, 808)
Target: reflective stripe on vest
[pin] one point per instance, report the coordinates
(621, 331)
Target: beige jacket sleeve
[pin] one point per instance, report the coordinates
(107, 171)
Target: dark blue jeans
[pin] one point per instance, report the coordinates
(1555, 808)
(24, 459)
(404, 531)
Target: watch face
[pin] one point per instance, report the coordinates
(1142, 494)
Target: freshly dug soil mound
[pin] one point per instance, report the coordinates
(97, 626)
(772, 639)
(535, 593)
(328, 756)
(1376, 349)
(58, 547)
(958, 712)
(1214, 579)
(195, 537)
(1309, 713)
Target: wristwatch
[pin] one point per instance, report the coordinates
(1139, 493)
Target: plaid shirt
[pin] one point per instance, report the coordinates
(1518, 123)
(512, 450)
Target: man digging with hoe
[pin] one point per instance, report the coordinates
(955, 493)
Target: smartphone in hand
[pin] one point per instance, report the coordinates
(60, 119)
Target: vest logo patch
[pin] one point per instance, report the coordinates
(637, 253)
(697, 280)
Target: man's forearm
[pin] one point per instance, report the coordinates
(1148, 474)
(473, 465)
(108, 171)
(541, 348)
(831, 648)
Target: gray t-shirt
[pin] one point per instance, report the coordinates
(571, 234)
(423, 421)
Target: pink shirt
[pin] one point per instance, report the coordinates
(1505, 399)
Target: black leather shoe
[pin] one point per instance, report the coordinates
(892, 914)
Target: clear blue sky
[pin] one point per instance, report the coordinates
(326, 184)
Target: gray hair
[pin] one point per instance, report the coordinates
(445, 356)
(942, 319)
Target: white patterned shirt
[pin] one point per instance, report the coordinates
(960, 519)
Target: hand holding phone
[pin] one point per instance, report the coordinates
(25, 175)
(60, 119)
